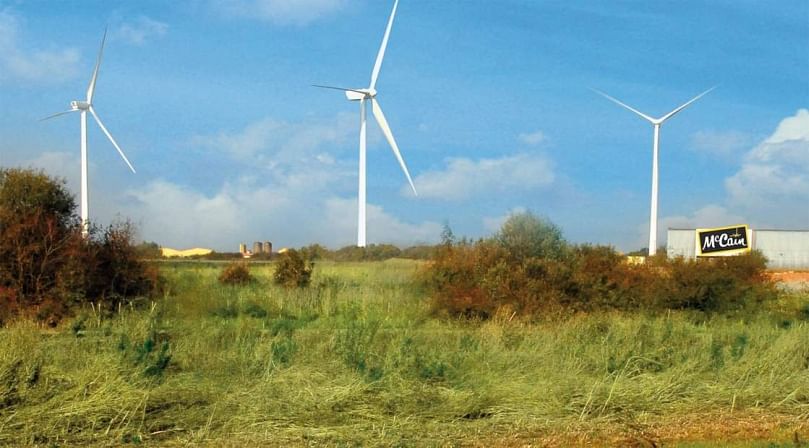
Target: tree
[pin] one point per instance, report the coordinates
(525, 235)
(37, 224)
(23, 192)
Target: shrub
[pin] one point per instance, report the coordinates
(47, 265)
(119, 272)
(236, 273)
(106, 267)
(293, 270)
(420, 252)
(372, 252)
(454, 278)
(478, 279)
(525, 235)
(719, 284)
(8, 304)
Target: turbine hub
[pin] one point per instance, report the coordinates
(79, 105)
(360, 94)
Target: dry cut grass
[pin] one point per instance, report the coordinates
(358, 360)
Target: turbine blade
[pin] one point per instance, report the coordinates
(57, 115)
(92, 87)
(672, 113)
(641, 114)
(342, 89)
(381, 55)
(112, 140)
(383, 124)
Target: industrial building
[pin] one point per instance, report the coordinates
(258, 248)
(784, 249)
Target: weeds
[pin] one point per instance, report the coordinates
(355, 343)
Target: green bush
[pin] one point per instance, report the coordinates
(293, 270)
(525, 235)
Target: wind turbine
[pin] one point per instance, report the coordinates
(656, 122)
(364, 96)
(83, 107)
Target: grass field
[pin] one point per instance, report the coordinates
(359, 360)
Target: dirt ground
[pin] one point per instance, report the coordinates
(794, 279)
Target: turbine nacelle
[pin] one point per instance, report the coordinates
(360, 94)
(79, 105)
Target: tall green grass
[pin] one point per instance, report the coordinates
(357, 360)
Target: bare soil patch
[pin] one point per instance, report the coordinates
(794, 279)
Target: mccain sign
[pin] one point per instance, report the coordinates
(723, 241)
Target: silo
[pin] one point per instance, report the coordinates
(257, 248)
(268, 247)
(242, 248)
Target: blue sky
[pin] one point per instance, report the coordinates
(489, 102)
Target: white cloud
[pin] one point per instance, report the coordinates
(533, 138)
(299, 155)
(721, 144)
(58, 164)
(180, 217)
(19, 62)
(244, 211)
(775, 174)
(141, 30)
(465, 178)
(271, 140)
(340, 226)
(291, 203)
(281, 12)
(709, 216)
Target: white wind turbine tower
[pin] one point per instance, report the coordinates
(83, 107)
(656, 122)
(364, 96)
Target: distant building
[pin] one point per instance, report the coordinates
(784, 249)
(198, 251)
(258, 249)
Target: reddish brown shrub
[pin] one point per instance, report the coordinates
(293, 270)
(9, 306)
(235, 273)
(476, 280)
(46, 261)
